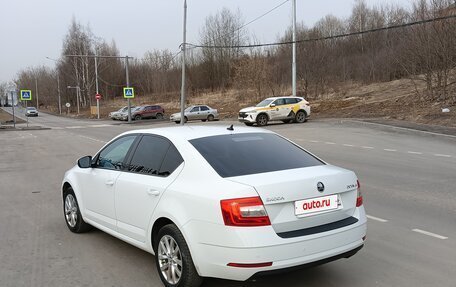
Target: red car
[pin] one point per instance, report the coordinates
(148, 112)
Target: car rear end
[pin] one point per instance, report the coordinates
(290, 217)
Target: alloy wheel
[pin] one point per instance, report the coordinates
(169, 259)
(71, 210)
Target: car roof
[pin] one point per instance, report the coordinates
(284, 97)
(189, 132)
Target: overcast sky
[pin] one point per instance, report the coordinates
(32, 30)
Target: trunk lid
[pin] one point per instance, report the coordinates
(280, 191)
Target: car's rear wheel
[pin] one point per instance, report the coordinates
(73, 217)
(301, 117)
(173, 259)
(137, 117)
(177, 122)
(262, 120)
(210, 118)
(159, 116)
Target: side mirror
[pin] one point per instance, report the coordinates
(85, 162)
(272, 105)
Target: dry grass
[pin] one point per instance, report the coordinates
(4, 117)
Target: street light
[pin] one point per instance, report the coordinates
(78, 92)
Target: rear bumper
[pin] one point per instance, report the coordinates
(213, 251)
(347, 254)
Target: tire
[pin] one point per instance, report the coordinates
(249, 124)
(185, 119)
(177, 122)
(210, 118)
(72, 214)
(203, 121)
(301, 117)
(169, 236)
(137, 117)
(159, 116)
(262, 120)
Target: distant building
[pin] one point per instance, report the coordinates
(9, 97)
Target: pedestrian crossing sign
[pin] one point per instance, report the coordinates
(26, 95)
(129, 93)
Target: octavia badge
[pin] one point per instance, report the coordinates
(320, 187)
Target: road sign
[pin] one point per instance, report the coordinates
(67, 105)
(26, 95)
(129, 93)
(97, 96)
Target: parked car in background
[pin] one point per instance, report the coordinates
(216, 202)
(285, 109)
(123, 116)
(196, 112)
(31, 112)
(148, 112)
(116, 115)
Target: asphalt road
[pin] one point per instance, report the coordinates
(408, 181)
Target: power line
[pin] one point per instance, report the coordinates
(325, 38)
(242, 26)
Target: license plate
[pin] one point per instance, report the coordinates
(316, 205)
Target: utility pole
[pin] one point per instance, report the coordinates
(96, 85)
(293, 65)
(78, 91)
(128, 85)
(58, 93)
(182, 122)
(36, 92)
(12, 105)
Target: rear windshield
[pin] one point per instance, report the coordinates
(252, 153)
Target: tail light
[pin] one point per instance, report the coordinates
(247, 211)
(359, 196)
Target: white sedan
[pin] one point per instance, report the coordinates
(215, 202)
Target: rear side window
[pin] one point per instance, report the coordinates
(289, 101)
(204, 108)
(149, 155)
(252, 153)
(172, 160)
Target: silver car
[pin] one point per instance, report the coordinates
(31, 112)
(117, 115)
(196, 112)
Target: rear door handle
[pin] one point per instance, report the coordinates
(153, 192)
(109, 182)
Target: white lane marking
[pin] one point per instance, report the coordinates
(442, 155)
(414, 152)
(400, 128)
(75, 127)
(430, 234)
(388, 149)
(97, 140)
(99, 126)
(329, 143)
(376, 218)
(367, 147)
(314, 141)
(350, 145)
